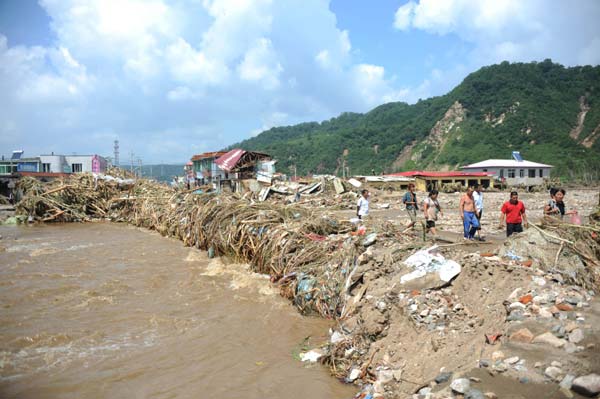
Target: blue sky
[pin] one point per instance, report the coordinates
(170, 78)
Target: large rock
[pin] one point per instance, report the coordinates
(443, 377)
(549, 339)
(460, 385)
(588, 385)
(474, 394)
(576, 336)
(567, 382)
(554, 373)
(522, 335)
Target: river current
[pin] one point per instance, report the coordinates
(101, 310)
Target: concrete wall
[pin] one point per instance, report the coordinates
(517, 180)
(64, 163)
(427, 183)
(84, 160)
(216, 174)
(58, 163)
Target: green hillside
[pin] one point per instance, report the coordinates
(162, 172)
(548, 112)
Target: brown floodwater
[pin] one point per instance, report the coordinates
(109, 311)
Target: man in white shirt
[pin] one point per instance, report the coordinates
(362, 206)
(478, 200)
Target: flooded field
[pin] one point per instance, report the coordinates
(101, 310)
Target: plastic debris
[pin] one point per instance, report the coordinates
(426, 261)
(311, 356)
(370, 239)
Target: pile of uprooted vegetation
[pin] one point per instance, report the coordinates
(393, 333)
(308, 253)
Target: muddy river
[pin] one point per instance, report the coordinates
(102, 310)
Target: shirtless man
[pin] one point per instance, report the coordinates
(467, 214)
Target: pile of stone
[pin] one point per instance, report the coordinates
(438, 310)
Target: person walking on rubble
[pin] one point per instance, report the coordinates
(467, 214)
(410, 200)
(362, 206)
(478, 198)
(556, 206)
(514, 213)
(431, 209)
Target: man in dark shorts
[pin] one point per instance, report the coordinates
(514, 213)
(410, 200)
(431, 209)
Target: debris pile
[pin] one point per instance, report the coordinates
(572, 251)
(309, 254)
(409, 320)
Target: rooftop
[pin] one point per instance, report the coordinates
(506, 163)
(207, 155)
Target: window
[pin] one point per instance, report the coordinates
(511, 173)
(46, 167)
(541, 172)
(531, 172)
(485, 170)
(501, 173)
(76, 167)
(521, 172)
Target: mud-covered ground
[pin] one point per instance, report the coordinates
(584, 200)
(513, 322)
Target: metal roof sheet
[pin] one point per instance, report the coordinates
(506, 163)
(206, 155)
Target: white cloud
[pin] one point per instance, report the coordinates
(178, 71)
(199, 75)
(236, 26)
(404, 16)
(188, 65)
(42, 75)
(183, 93)
(511, 30)
(373, 86)
(260, 64)
(323, 59)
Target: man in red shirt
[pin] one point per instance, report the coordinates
(514, 212)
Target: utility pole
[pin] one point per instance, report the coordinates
(116, 154)
(132, 160)
(139, 168)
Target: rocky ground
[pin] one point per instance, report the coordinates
(518, 321)
(584, 200)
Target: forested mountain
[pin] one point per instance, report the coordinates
(548, 112)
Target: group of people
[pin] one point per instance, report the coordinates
(512, 212)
